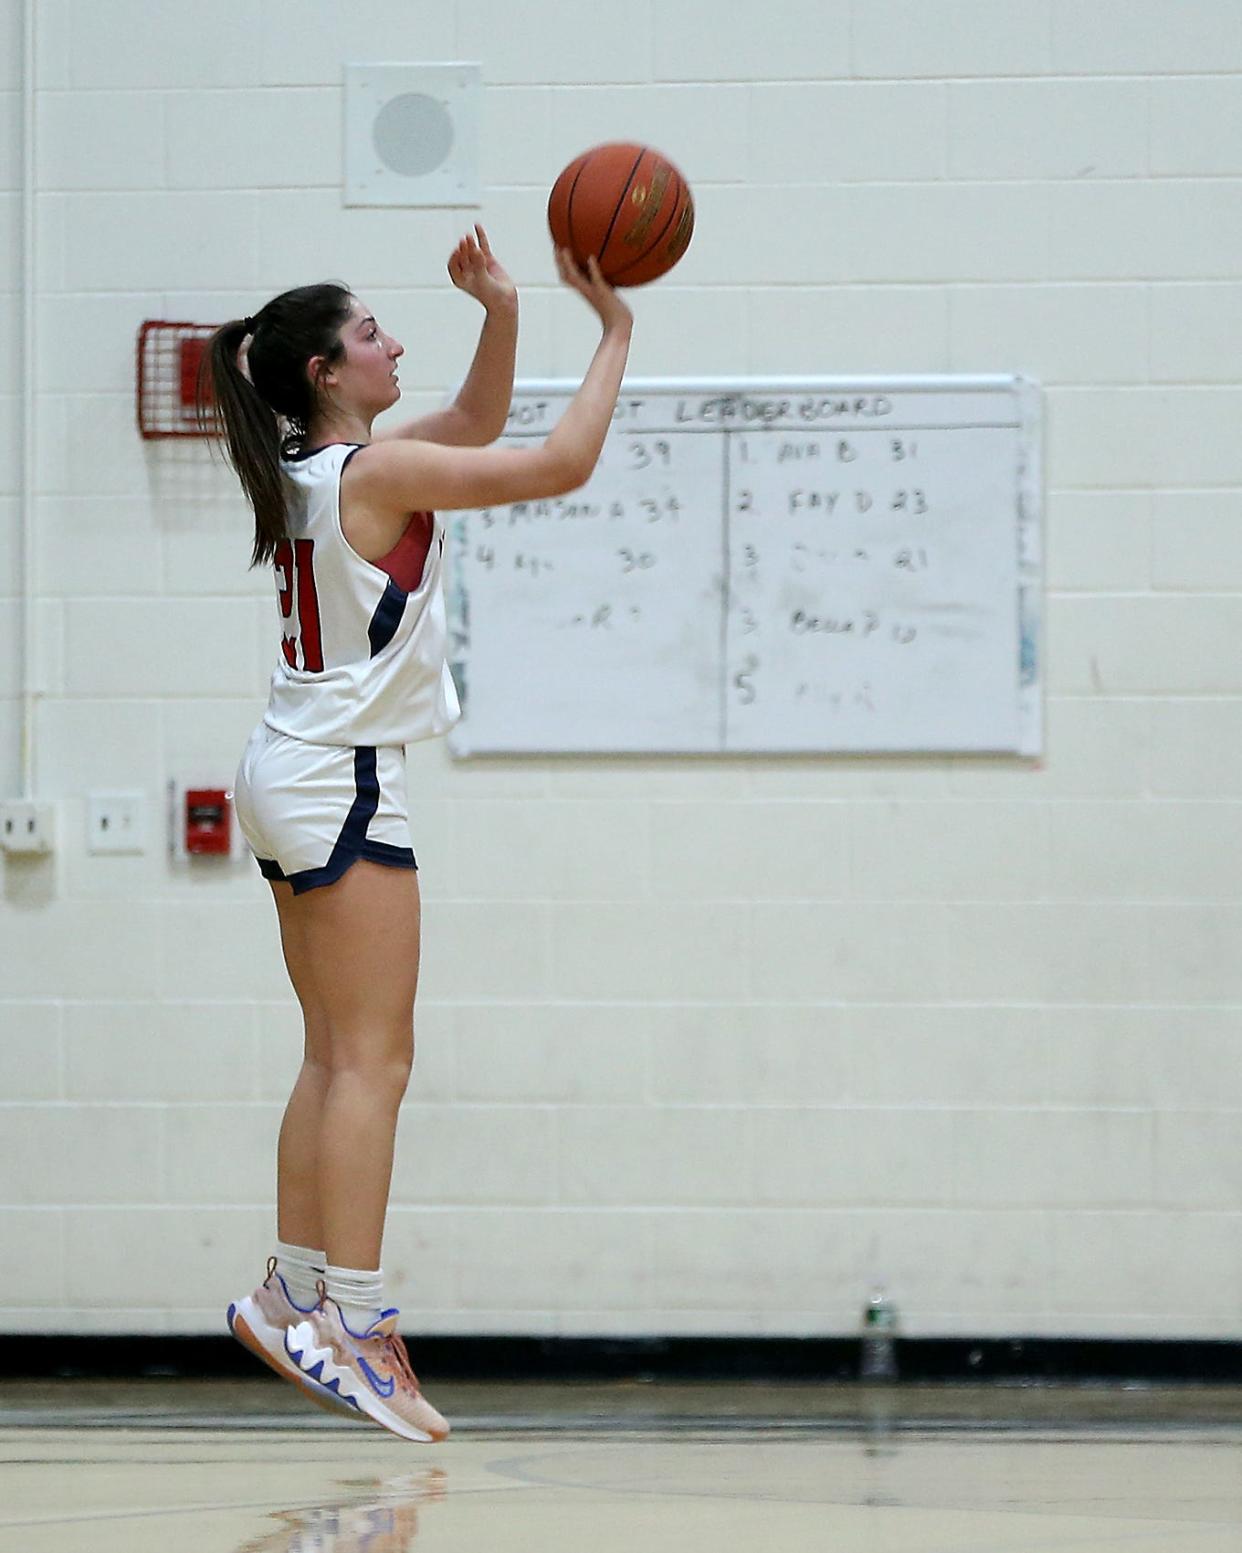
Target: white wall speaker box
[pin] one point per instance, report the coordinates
(411, 134)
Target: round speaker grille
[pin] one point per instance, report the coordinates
(413, 134)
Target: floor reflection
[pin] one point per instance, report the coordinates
(374, 1515)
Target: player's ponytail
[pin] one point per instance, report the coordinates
(262, 404)
(250, 431)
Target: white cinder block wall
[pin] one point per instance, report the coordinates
(704, 1046)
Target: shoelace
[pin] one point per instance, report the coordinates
(394, 1344)
(397, 1346)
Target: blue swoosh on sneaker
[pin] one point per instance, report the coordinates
(383, 1388)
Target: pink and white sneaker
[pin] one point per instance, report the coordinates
(371, 1369)
(259, 1322)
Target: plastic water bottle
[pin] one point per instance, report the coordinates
(879, 1338)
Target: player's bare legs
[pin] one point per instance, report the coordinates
(356, 950)
(299, 1221)
(352, 952)
(261, 1320)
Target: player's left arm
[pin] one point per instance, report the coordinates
(477, 416)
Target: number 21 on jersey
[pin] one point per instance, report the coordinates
(295, 574)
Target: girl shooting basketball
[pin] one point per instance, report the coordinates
(348, 519)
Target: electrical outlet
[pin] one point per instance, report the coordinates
(116, 822)
(26, 826)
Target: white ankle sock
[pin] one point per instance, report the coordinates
(301, 1268)
(360, 1295)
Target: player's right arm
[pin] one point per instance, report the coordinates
(412, 476)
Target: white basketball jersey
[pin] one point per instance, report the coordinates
(362, 662)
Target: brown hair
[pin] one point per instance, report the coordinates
(264, 417)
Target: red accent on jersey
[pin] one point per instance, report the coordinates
(294, 569)
(308, 607)
(407, 560)
(284, 581)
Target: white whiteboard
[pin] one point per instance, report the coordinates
(794, 565)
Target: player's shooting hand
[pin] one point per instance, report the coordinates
(590, 284)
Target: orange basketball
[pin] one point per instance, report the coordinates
(627, 205)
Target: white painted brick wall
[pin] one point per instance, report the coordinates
(101, 140)
(703, 1046)
(1068, 334)
(700, 41)
(1099, 541)
(1048, 129)
(951, 38)
(1141, 37)
(1195, 127)
(1197, 541)
(1196, 331)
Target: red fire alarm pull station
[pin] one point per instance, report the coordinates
(208, 821)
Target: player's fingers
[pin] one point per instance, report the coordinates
(574, 277)
(483, 242)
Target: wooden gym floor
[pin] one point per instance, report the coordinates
(246, 1467)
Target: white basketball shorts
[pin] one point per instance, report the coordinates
(308, 811)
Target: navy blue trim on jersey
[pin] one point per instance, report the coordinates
(297, 458)
(270, 869)
(387, 617)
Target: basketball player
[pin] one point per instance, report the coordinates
(348, 519)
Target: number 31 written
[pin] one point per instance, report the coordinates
(294, 572)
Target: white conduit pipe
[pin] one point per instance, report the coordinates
(26, 485)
